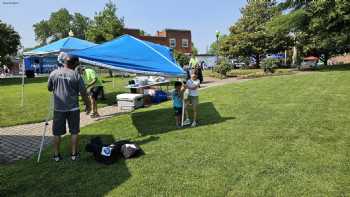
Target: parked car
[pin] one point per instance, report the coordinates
(310, 62)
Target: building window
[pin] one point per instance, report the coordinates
(172, 42)
(184, 43)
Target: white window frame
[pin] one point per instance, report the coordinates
(172, 42)
(184, 43)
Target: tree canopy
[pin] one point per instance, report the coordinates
(9, 41)
(320, 27)
(59, 25)
(106, 25)
(249, 37)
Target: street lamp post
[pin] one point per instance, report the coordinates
(217, 46)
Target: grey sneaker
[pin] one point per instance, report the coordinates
(187, 122)
(194, 124)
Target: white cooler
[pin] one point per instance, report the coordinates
(130, 101)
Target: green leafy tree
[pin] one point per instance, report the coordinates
(80, 24)
(194, 49)
(213, 49)
(9, 41)
(181, 58)
(249, 36)
(320, 28)
(42, 32)
(60, 24)
(106, 25)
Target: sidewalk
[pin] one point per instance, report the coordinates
(22, 141)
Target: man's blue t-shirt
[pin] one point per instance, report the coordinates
(177, 100)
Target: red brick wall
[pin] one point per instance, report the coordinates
(163, 38)
(155, 39)
(132, 32)
(179, 35)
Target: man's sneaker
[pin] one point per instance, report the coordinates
(57, 158)
(75, 156)
(194, 124)
(187, 122)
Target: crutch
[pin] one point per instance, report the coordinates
(183, 112)
(50, 111)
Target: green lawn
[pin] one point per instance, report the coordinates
(37, 99)
(277, 136)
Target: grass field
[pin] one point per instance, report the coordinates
(277, 136)
(37, 97)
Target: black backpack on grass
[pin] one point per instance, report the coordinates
(110, 153)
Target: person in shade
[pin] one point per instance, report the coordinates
(177, 97)
(66, 84)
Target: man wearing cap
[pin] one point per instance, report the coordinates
(66, 84)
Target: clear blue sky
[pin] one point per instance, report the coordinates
(202, 17)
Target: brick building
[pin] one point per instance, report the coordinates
(180, 40)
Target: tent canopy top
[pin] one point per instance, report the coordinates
(65, 44)
(130, 54)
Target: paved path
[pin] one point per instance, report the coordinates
(22, 141)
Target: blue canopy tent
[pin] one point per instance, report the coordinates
(46, 56)
(129, 54)
(65, 44)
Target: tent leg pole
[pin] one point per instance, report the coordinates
(22, 95)
(45, 127)
(113, 80)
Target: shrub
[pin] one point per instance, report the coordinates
(269, 64)
(181, 58)
(223, 68)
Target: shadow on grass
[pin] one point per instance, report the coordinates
(18, 81)
(163, 120)
(84, 177)
(341, 67)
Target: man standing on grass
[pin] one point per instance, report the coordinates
(66, 84)
(94, 83)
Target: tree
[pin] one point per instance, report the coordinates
(249, 37)
(213, 49)
(9, 41)
(79, 25)
(106, 25)
(60, 24)
(42, 32)
(320, 27)
(194, 49)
